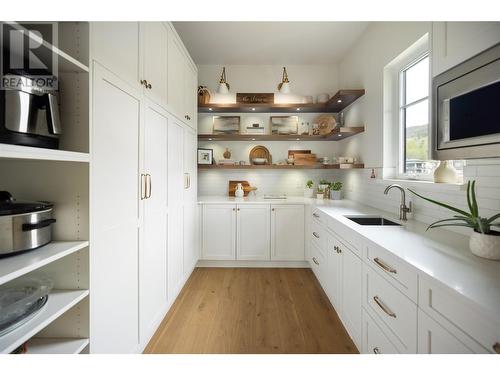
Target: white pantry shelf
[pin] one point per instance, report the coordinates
(8, 151)
(18, 265)
(56, 345)
(58, 303)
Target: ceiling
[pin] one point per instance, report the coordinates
(251, 43)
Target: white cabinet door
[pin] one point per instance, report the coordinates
(154, 38)
(176, 80)
(219, 232)
(115, 45)
(435, 339)
(190, 94)
(191, 250)
(253, 232)
(287, 232)
(333, 274)
(375, 341)
(153, 252)
(175, 207)
(351, 293)
(114, 226)
(454, 42)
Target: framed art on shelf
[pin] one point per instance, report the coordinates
(205, 156)
(226, 124)
(284, 125)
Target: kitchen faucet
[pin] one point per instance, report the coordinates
(403, 208)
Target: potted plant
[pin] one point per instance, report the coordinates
(320, 193)
(325, 186)
(484, 241)
(336, 190)
(308, 190)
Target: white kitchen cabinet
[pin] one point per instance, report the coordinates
(190, 207)
(333, 274)
(219, 232)
(455, 42)
(175, 207)
(253, 232)
(351, 293)
(115, 215)
(190, 94)
(434, 339)
(153, 252)
(375, 341)
(116, 46)
(176, 77)
(154, 40)
(287, 232)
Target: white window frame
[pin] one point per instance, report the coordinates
(416, 57)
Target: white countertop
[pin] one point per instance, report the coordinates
(439, 253)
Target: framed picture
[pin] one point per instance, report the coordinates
(205, 156)
(284, 125)
(226, 124)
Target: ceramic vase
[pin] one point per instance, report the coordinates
(336, 195)
(308, 193)
(445, 173)
(239, 193)
(485, 245)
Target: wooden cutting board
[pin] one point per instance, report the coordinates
(246, 187)
(291, 153)
(305, 159)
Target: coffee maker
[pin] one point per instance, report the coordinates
(29, 115)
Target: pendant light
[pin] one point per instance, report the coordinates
(284, 86)
(223, 85)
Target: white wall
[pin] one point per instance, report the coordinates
(305, 80)
(364, 67)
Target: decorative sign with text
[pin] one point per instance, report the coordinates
(255, 98)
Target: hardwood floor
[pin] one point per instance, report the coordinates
(251, 310)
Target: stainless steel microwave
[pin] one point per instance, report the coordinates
(466, 109)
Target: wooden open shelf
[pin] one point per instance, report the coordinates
(276, 166)
(337, 103)
(336, 135)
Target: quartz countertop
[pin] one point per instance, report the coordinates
(438, 253)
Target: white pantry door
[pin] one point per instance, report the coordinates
(175, 207)
(191, 240)
(153, 253)
(115, 215)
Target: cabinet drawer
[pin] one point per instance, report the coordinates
(374, 340)
(392, 307)
(319, 215)
(318, 235)
(393, 269)
(317, 260)
(458, 314)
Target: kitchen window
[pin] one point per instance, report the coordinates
(414, 142)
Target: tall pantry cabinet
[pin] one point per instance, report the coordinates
(143, 180)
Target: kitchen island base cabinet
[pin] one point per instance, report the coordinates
(253, 232)
(219, 232)
(287, 232)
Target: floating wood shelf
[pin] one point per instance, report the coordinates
(336, 135)
(337, 103)
(275, 166)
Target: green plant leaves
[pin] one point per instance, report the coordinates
(475, 210)
(455, 219)
(442, 204)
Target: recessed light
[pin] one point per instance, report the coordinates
(298, 139)
(253, 139)
(339, 101)
(210, 109)
(253, 109)
(209, 139)
(298, 109)
(339, 135)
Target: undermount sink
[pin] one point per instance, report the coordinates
(372, 220)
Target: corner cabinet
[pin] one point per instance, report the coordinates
(143, 214)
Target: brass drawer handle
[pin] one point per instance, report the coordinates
(376, 350)
(315, 234)
(315, 261)
(315, 214)
(496, 347)
(384, 307)
(384, 266)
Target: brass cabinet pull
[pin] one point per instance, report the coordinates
(186, 180)
(496, 347)
(315, 214)
(148, 86)
(144, 83)
(315, 261)
(384, 307)
(234, 209)
(384, 266)
(148, 186)
(238, 209)
(143, 186)
(376, 350)
(315, 234)
(272, 209)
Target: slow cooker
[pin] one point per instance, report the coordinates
(24, 226)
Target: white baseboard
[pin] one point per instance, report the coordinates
(253, 263)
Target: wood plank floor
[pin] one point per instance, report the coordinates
(251, 310)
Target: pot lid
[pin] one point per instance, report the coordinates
(10, 207)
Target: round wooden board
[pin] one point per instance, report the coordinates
(260, 152)
(326, 124)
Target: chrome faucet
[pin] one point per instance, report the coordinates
(403, 208)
